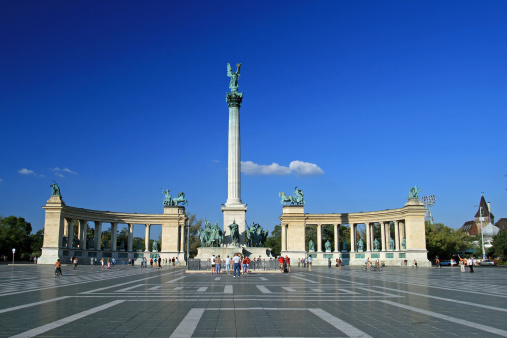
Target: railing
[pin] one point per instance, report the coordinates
(205, 264)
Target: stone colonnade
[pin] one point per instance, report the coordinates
(409, 235)
(59, 233)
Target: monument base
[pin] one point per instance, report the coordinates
(206, 253)
(234, 213)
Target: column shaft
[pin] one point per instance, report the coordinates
(382, 236)
(182, 238)
(319, 237)
(396, 236)
(368, 236)
(336, 238)
(284, 237)
(234, 158)
(83, 234)
(114, 238)
(352, 237)
(147, 237)
(130, 237)
(98, 235)
(70, 231)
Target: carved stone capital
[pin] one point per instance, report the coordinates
(234, 99)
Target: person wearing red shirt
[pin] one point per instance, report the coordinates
(280, 263)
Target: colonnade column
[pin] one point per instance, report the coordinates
(382, 235)
(401, 225)
(70, 231)
(352, 237)
(130, 236)
(182, 238)
(284, 237)
(83, 233)
(396, 236)
(114, 238)
(147, 237)
(336, 238)
(387, 228)
(368, 236)
(98, 235)
(319, 237)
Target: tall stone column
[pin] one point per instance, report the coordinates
(284, 237)
(83, 233)
(319, 237)
(69, 223)
(336, 238)
(130, 236)
(147, 237)
(352, 237)
(401, 225)
(234, 210)
(396, 236)
(98, 235)
(368, 236)
(182, 238)
(114, 238)
(382, 236)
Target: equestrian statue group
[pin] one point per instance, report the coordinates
(171, 202)
(211, 236)
(297, 199)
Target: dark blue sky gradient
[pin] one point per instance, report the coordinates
(131, 96)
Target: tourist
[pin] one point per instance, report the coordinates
(35, 260)
(218, 264)
(113, 262)
(280, 263)
(58, 267)
(102, 263)
(287, 260)
(108, 263)
(415, 263)
(159, 262)
(236, 261)
(299, 262)
(310, 263)
(471, 264)
(176, 262)
(228, 265)
(437, 262)
(74, 263)
(329, 262)
(213, 269)
(244, 265)
(367, 263)
(151, 262)
(91, 261)
(142, 262)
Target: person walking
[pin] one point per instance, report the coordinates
(159, 262)
(309, 263)
(213, 268)
(74, 263)
(58, 268)
(329, 262)
(236, 261)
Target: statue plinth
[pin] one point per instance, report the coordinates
(174, 210)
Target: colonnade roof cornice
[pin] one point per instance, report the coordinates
(358, 217)
(117, 217)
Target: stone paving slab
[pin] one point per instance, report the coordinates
(325, 302)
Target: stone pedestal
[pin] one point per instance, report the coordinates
(234, 213)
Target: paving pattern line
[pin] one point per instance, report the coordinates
(174, 280)
(44, 328)
(228, 289)
(470, 324)
(203, 289)
(126, 283)
(341, 325)
(307, 280)
(286, 288)
(339, 279)
(489, 307)
(263, 289)
(188, 324)
(14, 308)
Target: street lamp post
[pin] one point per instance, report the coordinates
(482, 234)
(13, 252)
(428, 202)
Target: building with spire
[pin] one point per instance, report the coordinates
(473, 227)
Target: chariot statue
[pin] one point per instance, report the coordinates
(171, 202)
(297, 199)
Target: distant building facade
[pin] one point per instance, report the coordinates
(473, 227)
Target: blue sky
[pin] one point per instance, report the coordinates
(115, 100)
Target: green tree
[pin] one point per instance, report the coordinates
(194, 240)
(444, 241)
(15, 234)
(36, 241)
(500, 244)
(275, 241)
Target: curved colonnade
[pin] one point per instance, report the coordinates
(59, 226)
(409, 235)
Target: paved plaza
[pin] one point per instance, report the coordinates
(324, 302)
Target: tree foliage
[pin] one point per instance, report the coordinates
(500, 244)
(194, 240)
(275, 241)
(444, 242)
(15, 234)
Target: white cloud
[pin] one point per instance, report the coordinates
(1, 180)
(299, 168)
(59, 172)
(25, 171)
(251, 168)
